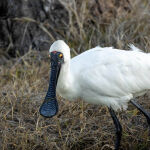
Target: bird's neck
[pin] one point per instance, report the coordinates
(65, 80)
(65, 74)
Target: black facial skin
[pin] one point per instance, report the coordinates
(49, 108)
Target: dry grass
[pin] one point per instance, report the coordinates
(114, 27)
(78, 125)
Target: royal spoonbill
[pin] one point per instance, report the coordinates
(105, 76)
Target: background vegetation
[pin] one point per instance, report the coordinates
(24, 78)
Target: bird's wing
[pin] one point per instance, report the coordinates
(115, 73)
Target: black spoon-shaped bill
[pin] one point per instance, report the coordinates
(49, 108)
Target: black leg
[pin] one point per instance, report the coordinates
(118, 128)
(141, 109)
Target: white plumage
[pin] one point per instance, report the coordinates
(105, 76)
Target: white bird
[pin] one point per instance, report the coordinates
(105, 76)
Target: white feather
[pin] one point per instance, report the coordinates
(105, 76)
(134, 48)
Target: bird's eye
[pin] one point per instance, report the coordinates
(60, 55)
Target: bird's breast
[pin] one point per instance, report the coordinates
(66, 90)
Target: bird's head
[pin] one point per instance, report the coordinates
(61, 49)
(59, 53)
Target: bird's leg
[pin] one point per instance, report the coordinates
(141, 109)
(118, 128)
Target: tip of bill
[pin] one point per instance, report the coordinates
(49, 108)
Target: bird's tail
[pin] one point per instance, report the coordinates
(133, 48)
